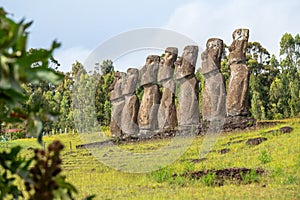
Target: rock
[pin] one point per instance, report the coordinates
(237, 95)
(129, 115)
(167, 115)
(214, 96)
(198, 160)
(149, 71)
(117, 86)
(255, 141)
(130, 81)
(238, 122)
(224, 151)
(166, 69)
(188, 108)
(286, 129)
(147, 115)
(115, 123)
(187, 63)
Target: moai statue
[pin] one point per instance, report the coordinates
(117, 101)
(147, 115)
(129, 123)
(167, 117)
(188, 105)
(237, 95)
(214, 96)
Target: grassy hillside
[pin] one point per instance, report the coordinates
(278, 156)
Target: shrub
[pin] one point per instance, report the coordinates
(264, 157)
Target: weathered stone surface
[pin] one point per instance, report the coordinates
(238, 47)
(188, 105)
(167, 116)
(187, 63)
(214, 96)
(237, 95)
(211, 57)
(117, 86)
(130, 81)
(147, 115)
(150, 70)
(129, 115)
(115, 123)
(166, 69)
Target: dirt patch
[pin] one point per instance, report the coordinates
(237, 175)
(224, 151)
(198, 160)
(282, 130)
(256, 141)
(286, 129)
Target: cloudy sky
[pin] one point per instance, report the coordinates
(82, 26)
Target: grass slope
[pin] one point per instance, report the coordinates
(279, 156)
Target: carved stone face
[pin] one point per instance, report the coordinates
(170, 57)
(241, 34)
(152, 60)
(211, 57)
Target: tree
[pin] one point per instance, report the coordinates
(106, 67)
(18, 67)
(290, 63)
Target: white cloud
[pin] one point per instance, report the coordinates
(66, 57)
(267, 20)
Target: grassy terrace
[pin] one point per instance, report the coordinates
(278, 156)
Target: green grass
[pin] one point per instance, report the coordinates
(279, 156)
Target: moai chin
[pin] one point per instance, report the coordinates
(237, 95)
(214, 96)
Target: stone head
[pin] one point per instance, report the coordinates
(170, 56)
(240, 34)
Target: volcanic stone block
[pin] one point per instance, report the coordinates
(130, 81)
(237, 95)
(187, 63)
(166, 69)
(129, 115)
(115, 123)
(117, 86)
(188, 108)
(147, 116)
(214, 96)
(150, 70)
(167, 115)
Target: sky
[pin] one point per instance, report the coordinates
(81, 26)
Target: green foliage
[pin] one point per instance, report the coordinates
(18, 67)
(250, 177)
(209, 179)
(13, 165)
(44, 180)
(162, 175)
(291, 180)
(264, 157)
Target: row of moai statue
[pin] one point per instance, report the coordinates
(163, 78)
